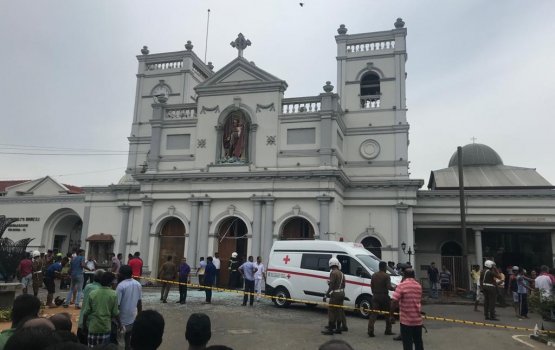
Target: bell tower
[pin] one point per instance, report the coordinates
(371, 85)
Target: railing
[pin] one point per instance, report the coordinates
(301, 105)
(164, 65)
(199, 72)
(185, 112)
(372, 46)
(370, 101)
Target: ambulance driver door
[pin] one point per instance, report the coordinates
(353, 285)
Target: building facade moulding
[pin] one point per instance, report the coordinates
(230, 212)
(171, 213)
(371, 233)
(296, 212)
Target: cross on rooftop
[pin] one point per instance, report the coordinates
(240, 44)
(474, 139)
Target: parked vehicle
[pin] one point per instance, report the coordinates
(298, 272)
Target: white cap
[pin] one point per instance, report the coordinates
(489, 264)
(334, 262)
(234, 255)
(36, 253)
(515, 268)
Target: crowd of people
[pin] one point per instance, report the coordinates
(250, 273)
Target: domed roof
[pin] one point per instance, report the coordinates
(476, 154)
(127, 179)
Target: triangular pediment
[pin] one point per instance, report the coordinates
(45, 186)
(240, 75)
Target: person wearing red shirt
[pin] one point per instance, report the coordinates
(25, 272)
(136, 265)
(408, 296)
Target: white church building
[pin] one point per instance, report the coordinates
(220, 161)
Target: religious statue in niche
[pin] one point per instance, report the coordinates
(235, 139)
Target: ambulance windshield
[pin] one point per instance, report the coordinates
(371, 262)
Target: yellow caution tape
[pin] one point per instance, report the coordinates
(350, 308)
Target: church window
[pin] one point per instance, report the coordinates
(301, 136)
(180, 141)
(370, 90)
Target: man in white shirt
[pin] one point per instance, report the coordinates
(259, 277)
(129, 293)
(543, 283)
(217, 264)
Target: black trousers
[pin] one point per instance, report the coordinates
(490, 295)
(249, 288)
(523, 304)
(208, 292)
(412, 335)
(183, 292)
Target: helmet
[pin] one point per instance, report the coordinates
(234, 255)
(334, 262)
(489, 264)
(36, 253)
(515, 268)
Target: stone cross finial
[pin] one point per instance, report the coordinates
(240, 44)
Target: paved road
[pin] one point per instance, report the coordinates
(266, 327)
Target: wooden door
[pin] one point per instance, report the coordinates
(172, 242)
(232, 237)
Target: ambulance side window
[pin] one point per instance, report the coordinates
(350, 266)
(317, 262)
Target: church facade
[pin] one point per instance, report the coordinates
(221, 161)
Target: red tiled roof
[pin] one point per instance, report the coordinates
(100, 237)
(74, 189)
(10, 183)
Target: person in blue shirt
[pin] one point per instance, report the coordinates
(52, 272)
(77, 278)
(184, 279)
(209, 278)
(247, 270)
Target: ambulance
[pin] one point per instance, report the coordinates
(298, 271)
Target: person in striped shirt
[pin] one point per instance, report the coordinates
(407, 297)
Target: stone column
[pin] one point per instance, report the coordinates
(268, 229)
(203, 229)
(402, 231)
(145, 231)
(156, 136)
(193, 235)
(252, 144)
(84, 228)
(122, 248)
(324, 216)
(256, 226)
(478, 245)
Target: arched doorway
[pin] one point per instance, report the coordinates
(451, 258)
(67, 234)
(172, 241)
(232, 237)
(297, 228)
(373, 245)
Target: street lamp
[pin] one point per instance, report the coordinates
(409, 252)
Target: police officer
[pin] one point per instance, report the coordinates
(381, 285)
(233, 271)
(336, 294)
(489, 288)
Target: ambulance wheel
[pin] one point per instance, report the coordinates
(364, 304)
(281, 297)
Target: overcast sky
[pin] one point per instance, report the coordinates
(479, 69)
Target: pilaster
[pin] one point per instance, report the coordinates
(122, 248)
(256, 227)
(268, 228)
(145, 230)
(156, 136)
(324, 216)
(193, 234)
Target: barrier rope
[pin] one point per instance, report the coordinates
(349, 308)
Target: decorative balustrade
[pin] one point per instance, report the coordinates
(199, 72)
(164, 65)
(370, 101)
(372, 46)
(186, 112)
(301, 105)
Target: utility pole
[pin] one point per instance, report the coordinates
(463, 215)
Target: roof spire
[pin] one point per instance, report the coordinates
(240, 44)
